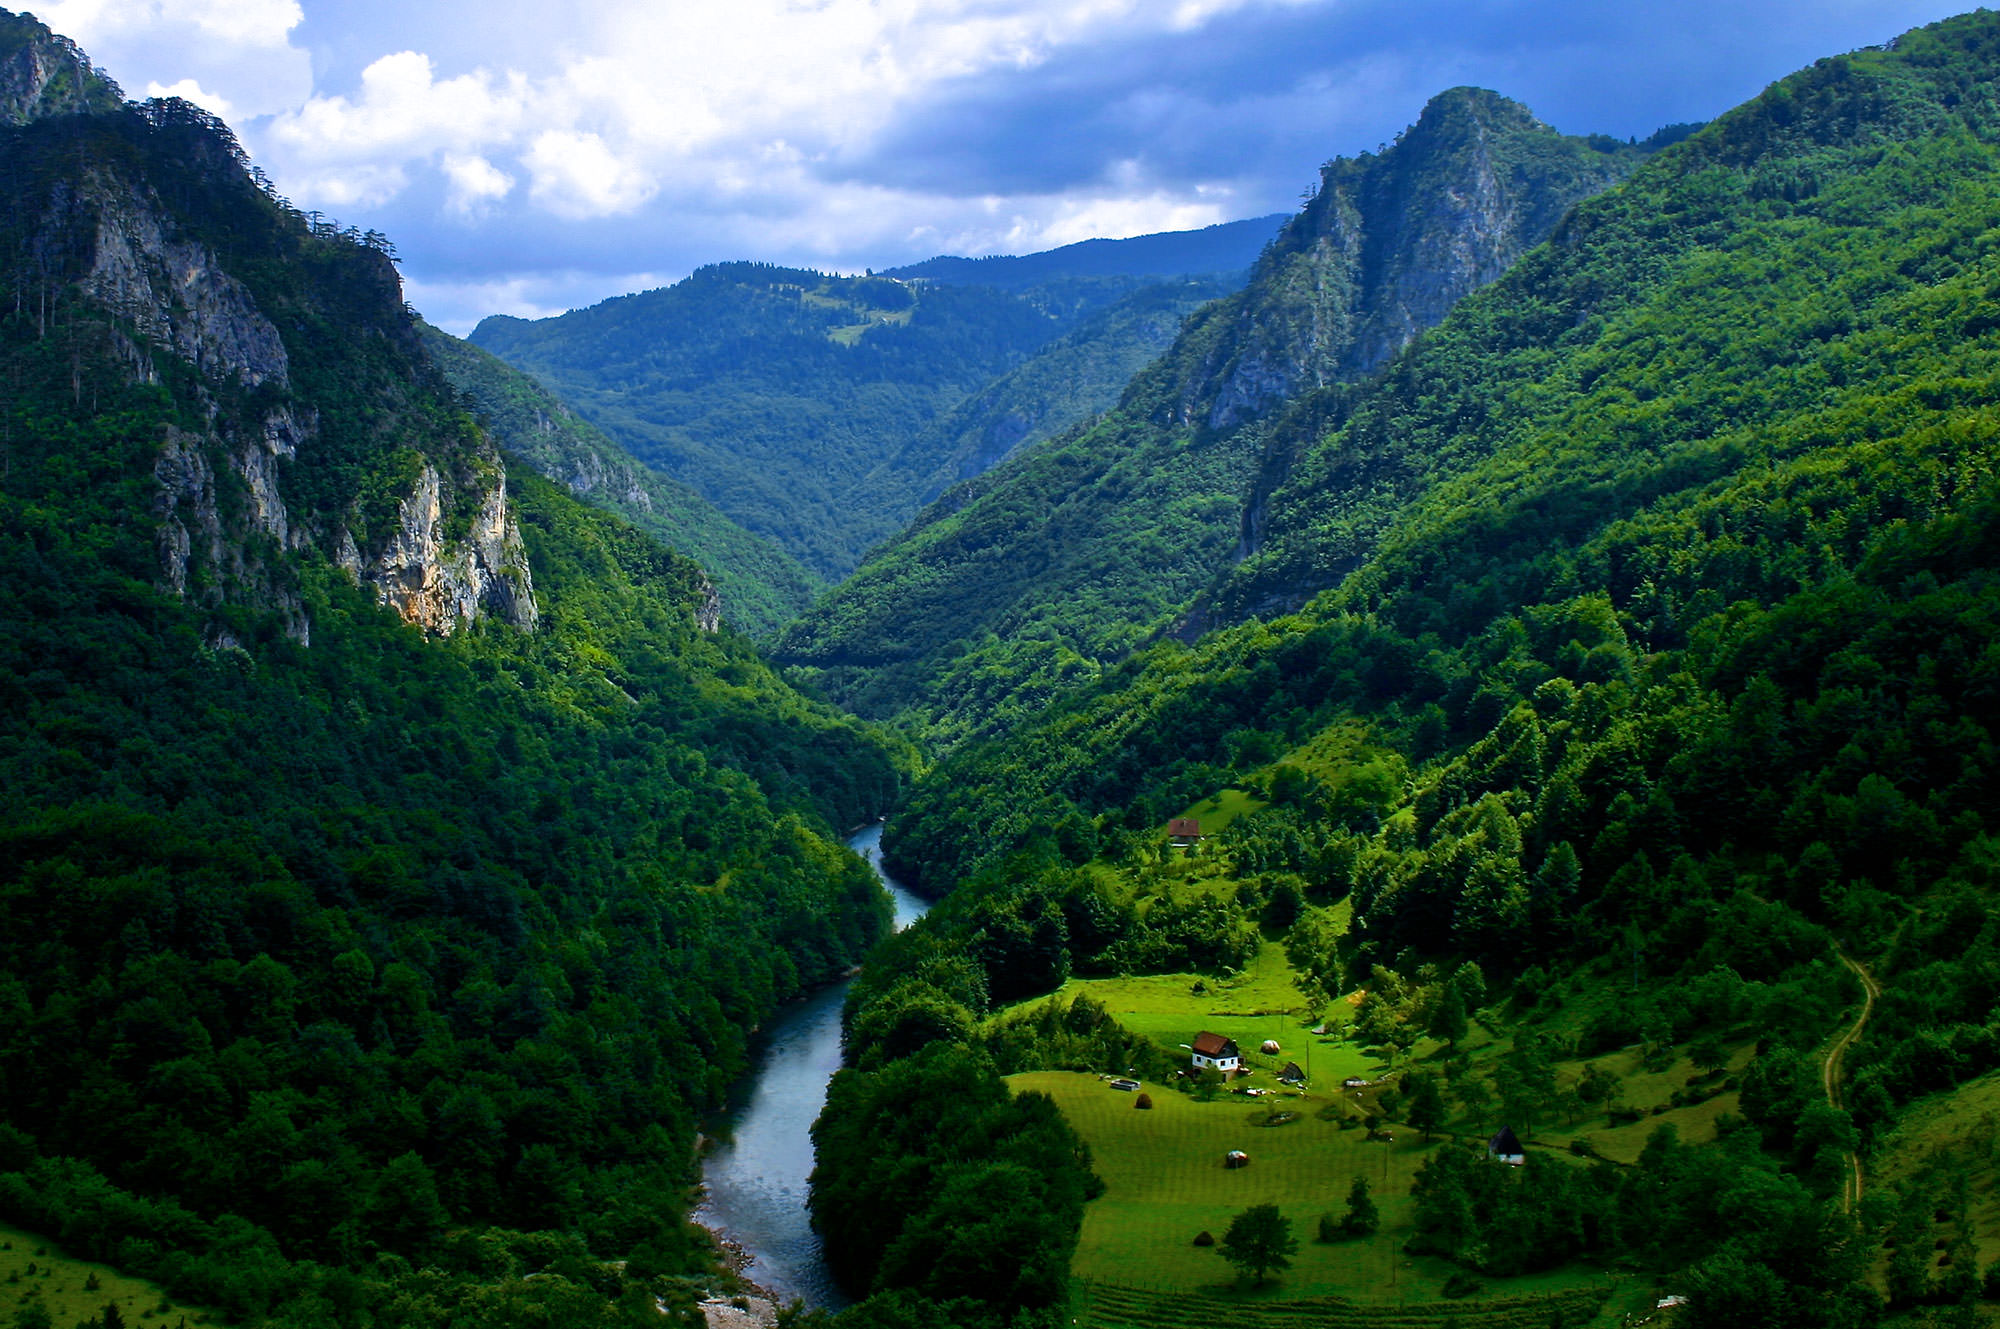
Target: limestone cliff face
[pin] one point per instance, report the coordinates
(589, 473)
(42, 74)
(440, 583)
(1389, 243)
(227, 529)
(536, 429)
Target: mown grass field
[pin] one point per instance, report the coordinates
(34, 1269)
(1260, 1002)
(1165, 1182)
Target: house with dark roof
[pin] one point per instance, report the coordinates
(1506, 1147)
(1292, 1075)
(1217, 1051)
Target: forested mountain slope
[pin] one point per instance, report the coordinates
(759, 586)
(1080, 374)
(1033, 576)
(392, 864)
(1669, 658)
(808, 407)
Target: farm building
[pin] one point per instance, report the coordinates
(1292, 1075)
(1217, 1051)
(1506, 1147)
(1183, 831)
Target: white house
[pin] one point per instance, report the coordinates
(1217, 1051)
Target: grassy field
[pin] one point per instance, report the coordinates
(1217, 812)
(1165, 1182)
(1966, 1123)
(34, 1269)
(1260, 1002)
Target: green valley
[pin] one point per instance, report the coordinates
(1034, 576)
(821, 412)
(1645, 711)
(1458, 774)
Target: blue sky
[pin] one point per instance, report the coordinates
(527, 159)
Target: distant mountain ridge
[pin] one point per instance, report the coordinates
(1037, 573)
(811, 408)
(1224, 247)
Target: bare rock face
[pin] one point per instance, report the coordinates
(1385, 249)
(47, 75)
(708, 613)
(439, 583)
(588, 472)
(205, 559)
(172, 290)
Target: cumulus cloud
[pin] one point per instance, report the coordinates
(475, 182)
(577, 175)
(236, 53)
(189, 90)
(706, 94)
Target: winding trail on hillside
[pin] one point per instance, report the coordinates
(1830, 1076)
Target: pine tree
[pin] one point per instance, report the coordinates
(1361, 1217)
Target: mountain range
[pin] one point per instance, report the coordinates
(1547, 589)
(820, 412)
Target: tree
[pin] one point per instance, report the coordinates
(1361, 1217)
(1427, 1107)
(1448, 1020)
(1475, 1095)
(1259, 1239)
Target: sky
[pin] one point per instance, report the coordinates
(527, 159)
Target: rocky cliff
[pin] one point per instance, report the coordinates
(1389, 242)
(44, 74)
(352, 455)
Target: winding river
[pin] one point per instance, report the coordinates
(756, 1175)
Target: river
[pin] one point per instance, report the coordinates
(756, 1175)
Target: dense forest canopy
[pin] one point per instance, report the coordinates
(339, 947)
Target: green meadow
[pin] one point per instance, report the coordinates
(1165, 1183)
(34, 1271)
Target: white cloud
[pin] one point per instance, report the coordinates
(576, 175)
(403, 110)
(237, 52)
(189, 90)
(350, 185)
(700, 97)
(474, 183)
